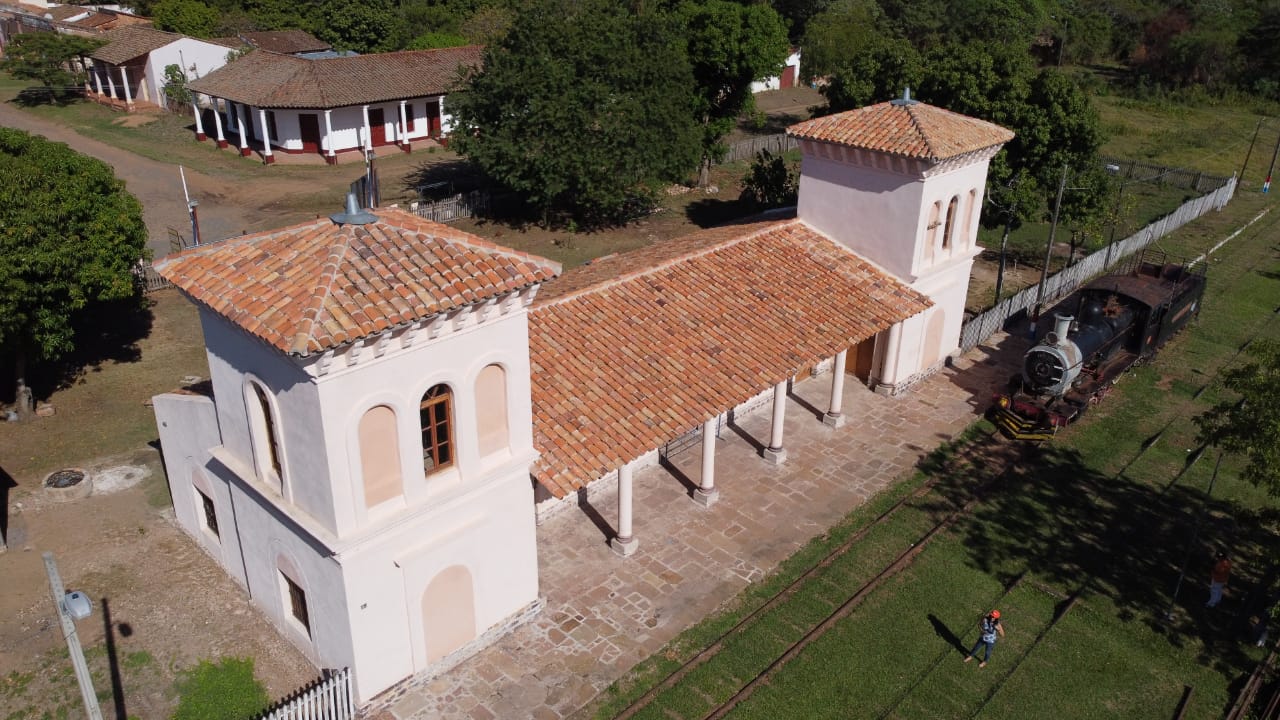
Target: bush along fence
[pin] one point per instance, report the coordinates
(1065, 282)
(328, 697)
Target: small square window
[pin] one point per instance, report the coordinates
(297, 603)
(210, 514)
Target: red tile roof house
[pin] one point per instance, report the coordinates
(128, 72)
(385, 387)
(281, 103)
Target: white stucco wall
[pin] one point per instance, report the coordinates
(197, 58)
(775, 82)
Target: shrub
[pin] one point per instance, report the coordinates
(770, 182)
(225, 691)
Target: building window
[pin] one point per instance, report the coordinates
(436, 413)
(210, 513)
(969, 210)
(297, 603)
(951, 222)
(268, 429)
(491, 410)
(379, 456)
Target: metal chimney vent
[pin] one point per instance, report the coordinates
(353, 215)
(905, 99)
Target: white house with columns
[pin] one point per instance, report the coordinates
(273, 102)
(393, 402)
(129, 70)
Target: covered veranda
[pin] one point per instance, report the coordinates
(636, 350)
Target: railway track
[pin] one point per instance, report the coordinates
(985, 447)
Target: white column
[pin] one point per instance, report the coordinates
(111, 84)
(625, 543)
(195, 108)
(444, 127)
(267, 157)
(330, 154)
(217, 125)
(368, 141)
(707, 493)
(97, 77)
(775, 453)
(833, 416)
(889, 367)
(243, 122)
(403, 133)
(124, 75)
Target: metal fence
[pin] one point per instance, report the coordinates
(1135, 171)
(462, 205)
(327, 698)
(747, 149)
(1065, 282)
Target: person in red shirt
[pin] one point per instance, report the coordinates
(1218, 579)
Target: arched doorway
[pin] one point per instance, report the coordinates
(448, 612)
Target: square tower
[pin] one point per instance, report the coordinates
(901, 184)
(361, 466)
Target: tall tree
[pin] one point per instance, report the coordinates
(583, 104)
(47, 58)
(189, 17)
(366, 26)
(1250, 425)
(730, 46)
(70, 236)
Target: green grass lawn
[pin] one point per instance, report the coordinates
(1107, 513)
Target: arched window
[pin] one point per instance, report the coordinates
(491, 409)
(266, 442)
(951, 222)
(436, 414)
(380, 456)
(935, 220)
(969, 210)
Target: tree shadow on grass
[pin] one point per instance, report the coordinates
(1060, 519)
(104, 333)
(38, 95)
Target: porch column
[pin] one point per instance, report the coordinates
(330, 156)
(97, 77)
(404, 128)
(889, 366)
(775, 453)
(444, 128)
(267, 157)
(833, 416)
(128, 95)
(368, 141)
(243, 122)
(217, 124)
(625, 543)
(195, 108)
(707, 493)
(111, 84)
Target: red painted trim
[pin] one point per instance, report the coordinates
(222, 144)
(246, 152)
(201, 137)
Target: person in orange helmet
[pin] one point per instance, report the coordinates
(991, 630)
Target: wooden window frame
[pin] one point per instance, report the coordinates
(952, 208)
(436, 427)
(269, 422)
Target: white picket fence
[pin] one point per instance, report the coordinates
(329, 698)
(1065, 282)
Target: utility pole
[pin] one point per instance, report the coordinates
(73, 641)
(1249, 153)
(1008, 225)
(1267, 185)
(1048, 251)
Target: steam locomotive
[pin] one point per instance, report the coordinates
(1120, 320)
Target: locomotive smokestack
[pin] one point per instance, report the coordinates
(1062, 326)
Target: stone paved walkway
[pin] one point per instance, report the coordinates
(605, 613)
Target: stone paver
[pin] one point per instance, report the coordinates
(605, 613)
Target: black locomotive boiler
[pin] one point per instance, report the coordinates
(1120, 320)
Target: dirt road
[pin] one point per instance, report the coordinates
(156, 185)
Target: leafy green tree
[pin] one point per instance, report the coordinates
(46, 59)
(771, 181)
(189, 17)
(798, 13)
(1250, 426)
(279, 14)
(433, 40)
(583, 105)
(488, 24)
(730, 46)
(175, 85)
(855, 49)
(70, 236)
(366, 26)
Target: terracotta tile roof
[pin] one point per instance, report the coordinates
(913, 129)
(62, 12)
(285, 41)
(271, 80)
(316, 286)
(131, 41)
(626, 358)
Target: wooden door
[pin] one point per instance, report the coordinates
(309, 129)
(788, 79)
(433, 118)
(862, 353)
(377, 127)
